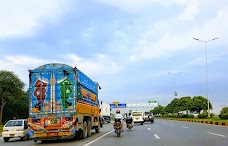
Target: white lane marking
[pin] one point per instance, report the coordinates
(155, 135)
(98, 138)
(184, 127)
(148, 128)
(171, 124)
(145, 125)
(217, 134)
(163, 122)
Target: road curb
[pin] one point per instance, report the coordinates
(209, 122)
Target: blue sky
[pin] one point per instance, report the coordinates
(127, 46)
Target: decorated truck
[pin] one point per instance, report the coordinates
(63, 103)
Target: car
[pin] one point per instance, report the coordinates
(15, 128)
(148, 116)
(107, 119)
(137, 117)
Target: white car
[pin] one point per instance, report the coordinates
(137, 117)
(15, 128)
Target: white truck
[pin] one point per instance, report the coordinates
(105, 111)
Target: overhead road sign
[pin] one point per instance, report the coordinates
(123, 105)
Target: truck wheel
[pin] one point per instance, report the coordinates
(89, 129)
(79, 134)
(141, 123)
(98, 128)
(6, 139)
(85, 127)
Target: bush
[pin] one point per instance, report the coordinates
(212, 115)
(224, 113)
(203, 115)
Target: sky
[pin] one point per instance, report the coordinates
(128, 46)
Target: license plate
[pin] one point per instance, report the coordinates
(11, 135)
(52, 134)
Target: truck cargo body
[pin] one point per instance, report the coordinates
(105, 112)
(63, 103)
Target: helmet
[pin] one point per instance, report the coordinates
(118, 111)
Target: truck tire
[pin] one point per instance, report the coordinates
(98, 128)
(89, 129)
(141, 123)
(6, 139)
(84, 133)
(79, 134)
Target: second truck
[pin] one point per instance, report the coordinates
(63, 103)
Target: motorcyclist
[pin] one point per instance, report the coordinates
(119, 116)
(129, 119)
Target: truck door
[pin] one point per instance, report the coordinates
(52, 91)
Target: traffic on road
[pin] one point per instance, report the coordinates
(159, 133)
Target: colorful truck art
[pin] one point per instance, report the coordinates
(63, 103)
(49, 95)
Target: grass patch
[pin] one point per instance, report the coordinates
(214, 119)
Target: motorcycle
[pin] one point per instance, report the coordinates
(129, 123)
(118, 127)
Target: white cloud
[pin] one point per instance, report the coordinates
(157, 42)
(133, 6)
(20, 64)
(190, 12)
(22, 18)
(99, 66)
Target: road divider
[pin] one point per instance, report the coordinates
(209, 122)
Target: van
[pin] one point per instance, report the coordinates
(15, 128)
(148, 116)
(137, 117)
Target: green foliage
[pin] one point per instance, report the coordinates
(203, 115)
(198, 104)
(11, 91)
(158, 110)
(224, 113)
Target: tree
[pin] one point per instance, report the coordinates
(224, 113)
(10, 89)
(158, 110)
(19, 110)
(198, 104)
(183, 103)
(174, 107)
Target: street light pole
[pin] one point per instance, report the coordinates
(205, 45)
(174, 77)
(163, 93)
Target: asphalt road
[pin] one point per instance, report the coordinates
(160, 133)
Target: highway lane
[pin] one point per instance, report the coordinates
(168, 133)
(138, 136)
(174, 133)
(160, 133)
(18, 142)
